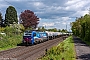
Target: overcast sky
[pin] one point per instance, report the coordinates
(52, 13)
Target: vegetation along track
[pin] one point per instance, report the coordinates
(30, 52)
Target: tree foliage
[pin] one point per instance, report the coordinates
(29, 19)
(41, 29)
(1, 21)
(0, 16)
(81, 27)
(14, 29)
(53, 30)
(11, 15)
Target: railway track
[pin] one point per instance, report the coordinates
(30, 52)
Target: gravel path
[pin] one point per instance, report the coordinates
(82, 49)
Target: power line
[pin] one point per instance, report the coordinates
(13, 5)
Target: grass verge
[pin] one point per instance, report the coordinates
(64, 51)
(8, 42)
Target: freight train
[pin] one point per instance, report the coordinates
(33, 37)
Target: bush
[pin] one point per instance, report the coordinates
(10, 42)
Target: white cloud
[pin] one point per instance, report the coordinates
(38, 3)
(64, 23)
(79, 7)
(60, 12)
(13, 0)
(39, 12)
(70, 2)
(65, 18)
(48, 24)
(75, 5)
(80, 13)
(57, 22)
(54, 8)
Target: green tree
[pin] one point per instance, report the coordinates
(21, 28)
(59, 30)
(1, 21)
(81, 27)
(43, 29)
(64, 30)
(39, 28)
(55, 30)
(11, 16)
(0, 16)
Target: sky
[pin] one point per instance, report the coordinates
(52, 13)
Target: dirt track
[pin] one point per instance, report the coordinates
(82, 49)
(29, 52)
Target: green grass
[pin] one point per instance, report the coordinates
(87, 42)
(8, 42)
(64, 51)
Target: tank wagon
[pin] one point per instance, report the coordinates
(53, 35)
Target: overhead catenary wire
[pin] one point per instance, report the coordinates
(13, 5)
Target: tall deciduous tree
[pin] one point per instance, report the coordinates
(11, 15)
(29, 19)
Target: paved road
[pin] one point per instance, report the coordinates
(82, 49)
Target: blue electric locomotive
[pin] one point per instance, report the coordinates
(31, 37)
